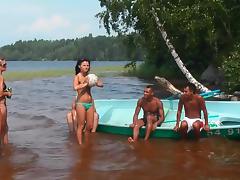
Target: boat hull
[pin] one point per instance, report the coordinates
(231, 132)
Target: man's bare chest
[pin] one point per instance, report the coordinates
(150, 106)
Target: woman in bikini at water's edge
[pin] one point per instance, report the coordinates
(84, 102)
(72, 118)
(4, 92)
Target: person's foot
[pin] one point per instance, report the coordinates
(130, 140)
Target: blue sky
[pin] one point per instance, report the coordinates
(48, 19)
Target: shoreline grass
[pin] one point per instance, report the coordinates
(28, 75)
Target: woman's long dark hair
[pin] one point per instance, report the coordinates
(79, 62)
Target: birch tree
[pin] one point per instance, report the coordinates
(201, 31)
(177, 59)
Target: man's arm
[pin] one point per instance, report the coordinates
(179, 112)
(205, 113)
(161, 113)
(136, 113)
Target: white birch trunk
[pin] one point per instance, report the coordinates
(177, 59)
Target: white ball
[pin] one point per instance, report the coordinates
(92, 80)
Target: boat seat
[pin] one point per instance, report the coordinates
(166, 110)
(101, 110)
(229, 121)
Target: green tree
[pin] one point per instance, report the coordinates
(95, 48)
(202, 31)
(231, 68)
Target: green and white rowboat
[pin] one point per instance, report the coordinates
(115, 116)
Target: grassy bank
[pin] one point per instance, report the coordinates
(149, 71)
(28, 75)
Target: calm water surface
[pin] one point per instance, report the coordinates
(41, 147)
(49, 65)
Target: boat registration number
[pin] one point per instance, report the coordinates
(229, 131)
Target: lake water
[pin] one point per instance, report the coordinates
(41, 147)
(48, 65)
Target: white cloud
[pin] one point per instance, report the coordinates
(44, 24)
(83, 28)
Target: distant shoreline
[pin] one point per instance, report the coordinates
(29, 75)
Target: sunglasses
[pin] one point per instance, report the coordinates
(3, 65)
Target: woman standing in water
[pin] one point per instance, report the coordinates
(84, 103)
(4, 92)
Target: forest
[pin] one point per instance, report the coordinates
(95, 48)
(202, 32)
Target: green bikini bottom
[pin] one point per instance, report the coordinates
(87, 106)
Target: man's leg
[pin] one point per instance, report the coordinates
(74, 119)
(183, 128)
(70, 121)
(136, 128)
(196, 128)
(151, 120)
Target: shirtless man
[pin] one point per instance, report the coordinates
(84, 103)
(193, 105)
(153, 114)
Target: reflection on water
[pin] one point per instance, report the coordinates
(41, 147)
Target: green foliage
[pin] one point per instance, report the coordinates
(95, 48)
(202, 31)
(132, 66)
(149, 71)
(231, 69)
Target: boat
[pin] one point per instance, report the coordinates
(115, 116)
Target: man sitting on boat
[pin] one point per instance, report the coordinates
(153, 114)
(193, 105)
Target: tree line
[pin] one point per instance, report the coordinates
(95, 48)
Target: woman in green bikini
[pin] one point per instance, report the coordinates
(84, 102)
(72, 119)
